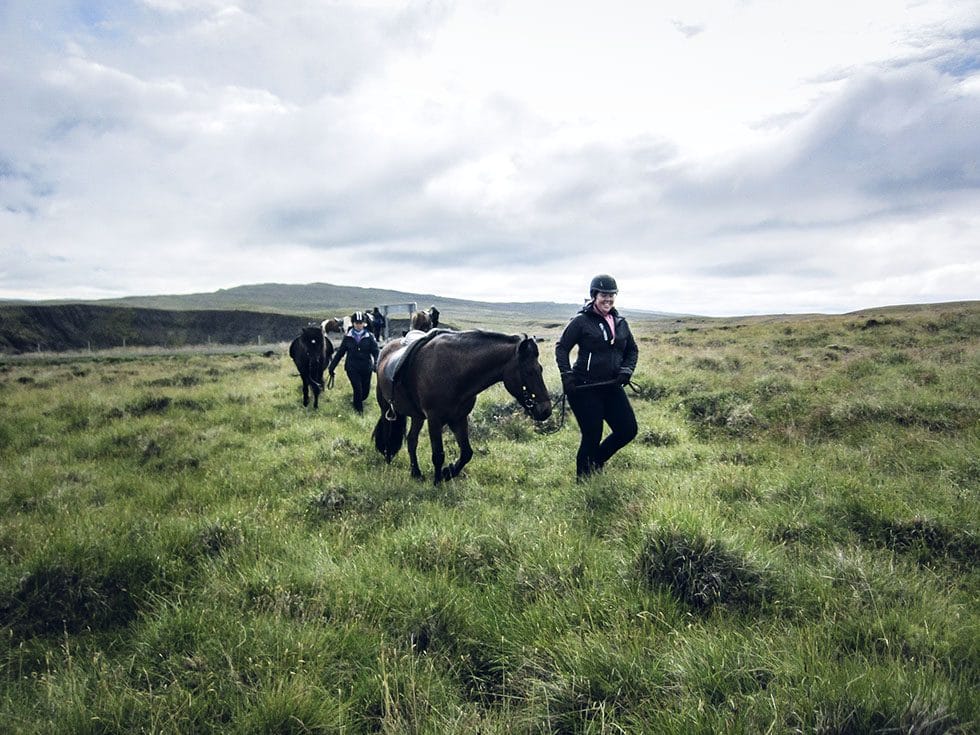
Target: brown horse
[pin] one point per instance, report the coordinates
(421, 321)
(440, 383)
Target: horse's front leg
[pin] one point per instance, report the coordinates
(413, 446)
(438, 453)
(461, 430)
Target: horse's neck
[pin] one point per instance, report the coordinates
(488, 370)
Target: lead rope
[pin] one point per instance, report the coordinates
(564, 399)
(542, 429)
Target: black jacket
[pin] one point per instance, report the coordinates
(600, 357)
(361, 356)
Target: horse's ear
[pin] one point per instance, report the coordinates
(528, 347)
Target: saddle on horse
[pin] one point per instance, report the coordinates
(394, 365)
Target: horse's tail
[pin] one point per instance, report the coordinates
(389, 433)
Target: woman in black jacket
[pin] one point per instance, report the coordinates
(605, 362)
(362, 350)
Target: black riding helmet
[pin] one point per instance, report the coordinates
(603, 283)
(358, 316)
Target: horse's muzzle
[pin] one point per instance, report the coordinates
(539, 410)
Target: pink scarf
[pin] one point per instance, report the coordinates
(610, 320)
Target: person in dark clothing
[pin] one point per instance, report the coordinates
(361, 349)
(377, 324)
(605, 361)
(434, 316)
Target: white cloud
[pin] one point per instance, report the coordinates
(719, 157)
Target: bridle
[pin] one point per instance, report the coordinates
(529, 399)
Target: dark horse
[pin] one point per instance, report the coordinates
(311, 351)
(440, 382)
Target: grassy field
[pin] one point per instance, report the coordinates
(789, 546)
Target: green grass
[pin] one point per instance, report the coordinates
(789, 546)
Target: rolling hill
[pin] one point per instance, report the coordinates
(322, 299)
(268, 312)
(60, 327)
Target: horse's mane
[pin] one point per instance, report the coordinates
(476, 337)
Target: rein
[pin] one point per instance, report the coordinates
(543, 429)
(633, 386)
(564, 400)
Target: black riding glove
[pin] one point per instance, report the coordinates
(624, 378)
(568, 382)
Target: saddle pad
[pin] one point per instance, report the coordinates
(393, 364)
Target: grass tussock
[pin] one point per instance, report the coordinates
(925, 540)
(702, 572)
(77, 595)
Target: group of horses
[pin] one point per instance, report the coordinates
(424, 320)
(433, 375)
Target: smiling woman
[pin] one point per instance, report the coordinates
(605, 361)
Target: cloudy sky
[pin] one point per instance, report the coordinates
(718, 157)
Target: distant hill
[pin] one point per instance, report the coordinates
(313, 299)
(59, 327)
(326, 299)
(269, 312)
